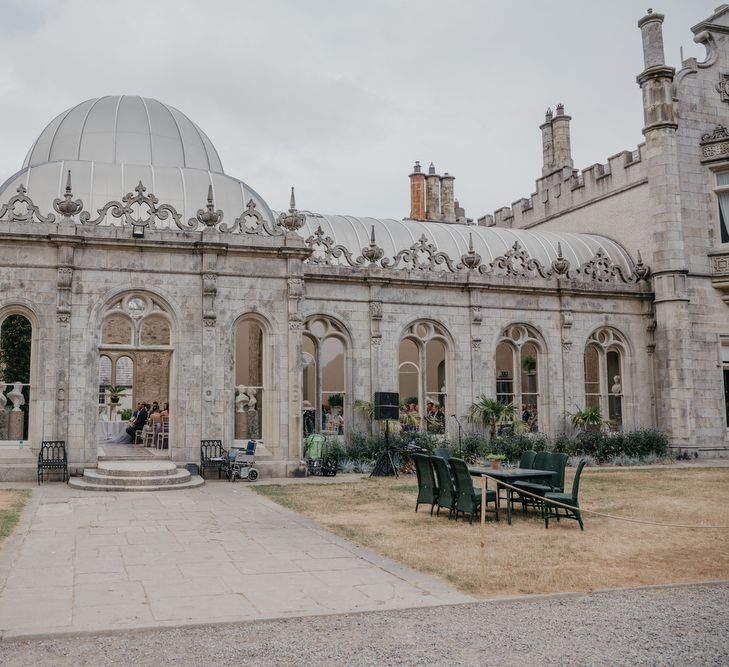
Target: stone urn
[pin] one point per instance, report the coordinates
(16, 396)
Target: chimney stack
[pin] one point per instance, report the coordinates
(432, 195)
(561, 139)
(417, 193)
(547, 143)
(656, 80)
(447, 202)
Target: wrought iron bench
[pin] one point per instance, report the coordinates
(52, 456)
(213, 455)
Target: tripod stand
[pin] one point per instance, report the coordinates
(385, 466)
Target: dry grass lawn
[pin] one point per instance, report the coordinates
(523, 558)
(12, 502)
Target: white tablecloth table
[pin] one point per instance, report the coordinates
(106, 430)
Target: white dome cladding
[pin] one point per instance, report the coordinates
(112, 143)
(125, 129)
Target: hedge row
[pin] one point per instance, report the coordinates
(602, 447)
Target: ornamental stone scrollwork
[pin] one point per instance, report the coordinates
(475, 344)
(421, 256)
(64, 281)
(296, 322)
(715, 144)
(131, 208)
(67, 207)
(209, 291)
(293, 220)
(376, 310)
(324, 250)
(20, 208)
(602, 269)
(517, 262)
(251, 221)
(560, 266)
(376, 341)
(207, 217)
(476, 315)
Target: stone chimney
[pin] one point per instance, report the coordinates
(432, 195)
(561, 139)
(656, 80)
(447, 202)
(417, 193)
(547, 144)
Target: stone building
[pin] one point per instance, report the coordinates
(189, 289)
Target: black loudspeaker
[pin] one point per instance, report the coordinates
(387, 405)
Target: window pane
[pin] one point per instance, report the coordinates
(592, 375)
(504, 373)
(722, 178)
(332, 365)
(724, 216)
(435, 367)
(249, 354)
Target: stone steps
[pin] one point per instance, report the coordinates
(136, 476)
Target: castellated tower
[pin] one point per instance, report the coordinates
(674, 378)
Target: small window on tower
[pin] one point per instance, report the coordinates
(722, 196)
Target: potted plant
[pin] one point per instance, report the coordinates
(496, 460)
(115, 393)
(588, 419)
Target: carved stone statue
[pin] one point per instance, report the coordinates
(16, 396)
(252, 400)
(617, 387)
(242, 400)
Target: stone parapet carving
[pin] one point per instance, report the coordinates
(715, 144)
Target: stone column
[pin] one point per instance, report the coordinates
(214, 398)
(561, 136)
(293, 451)
(547, 144)
(75, 448)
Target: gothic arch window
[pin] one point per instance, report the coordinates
(325, 376)
(519, 362)
(134, 354)
(604, 377)
(252, 378)
(16, 342)
(422, 375)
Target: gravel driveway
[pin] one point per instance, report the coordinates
(681, 625)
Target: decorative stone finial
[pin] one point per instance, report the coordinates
(471, 260)
(66, 206)
(209, 217)
(292, 220)
(431, 168)
(373, 253)
(548, 115)
(640, 270)
(560, 265)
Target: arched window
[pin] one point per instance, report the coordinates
(16, 335)
(518, 361)
(325, 376)
(134, 355)
(251, 397)
(423, 376)
(604, 377)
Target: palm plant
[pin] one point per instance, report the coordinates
(588, 417)
(491, 413)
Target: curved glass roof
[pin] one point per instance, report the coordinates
(490, 242)
(125, 129)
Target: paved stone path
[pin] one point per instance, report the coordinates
(81, 561)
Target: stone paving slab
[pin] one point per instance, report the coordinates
(95, 562)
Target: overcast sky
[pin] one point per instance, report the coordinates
(339, 97)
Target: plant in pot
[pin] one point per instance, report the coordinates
(491, 412)
(115, 393)
(529, 364)
(496, 460)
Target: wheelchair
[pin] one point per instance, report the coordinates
(241, 462)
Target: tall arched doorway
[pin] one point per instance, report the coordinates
(135, 354)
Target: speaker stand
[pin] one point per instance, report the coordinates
(385, 466)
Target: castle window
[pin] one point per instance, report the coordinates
(722, 196)
(603, 363)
